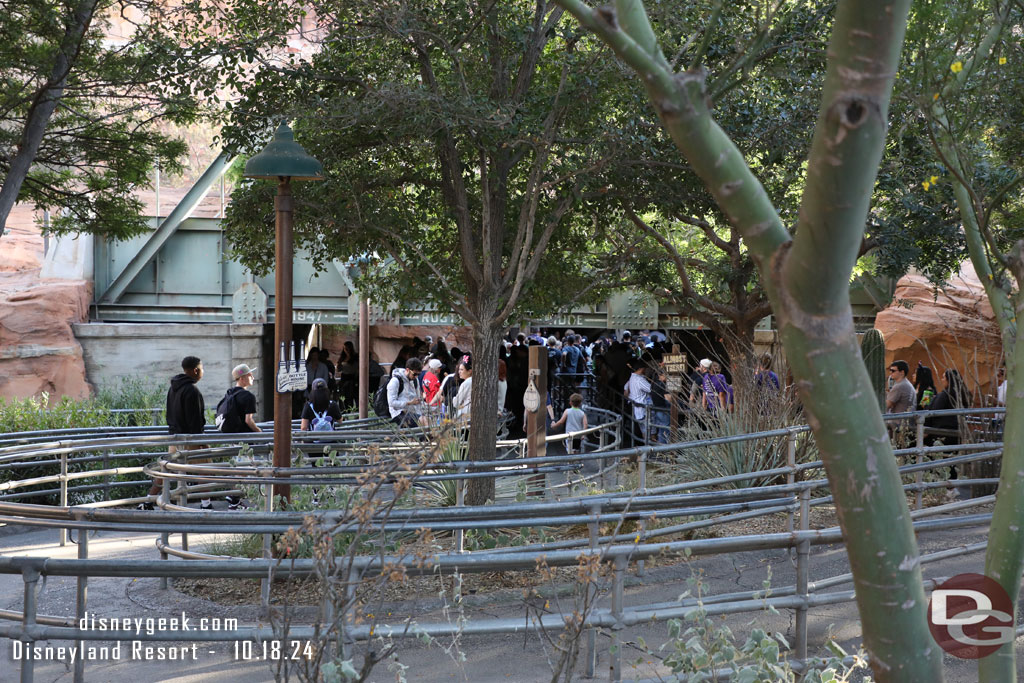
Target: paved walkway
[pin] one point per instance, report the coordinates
(488, 658)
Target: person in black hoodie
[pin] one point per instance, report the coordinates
(186, 414)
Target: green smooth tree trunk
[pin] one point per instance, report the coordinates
(807, 280)
(1004, 556)
(1005, 553)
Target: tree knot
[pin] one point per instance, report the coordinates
(606, 13)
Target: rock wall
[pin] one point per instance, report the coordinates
(951, 327)
(38, 349)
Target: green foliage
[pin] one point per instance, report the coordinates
(451, 447)
(439, 158)
(37, 414)
(765, 413)
(138, 71)
(705, 649)
(34, 414)
(137, 393)
(872, 348)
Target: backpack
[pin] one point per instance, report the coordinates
(226, 410)
(322, 422)
(380, 399)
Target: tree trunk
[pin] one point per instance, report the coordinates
(807, 280)
(483, 431)
(1005, 553)
(43, 106)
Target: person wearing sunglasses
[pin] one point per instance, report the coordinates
(902, 397)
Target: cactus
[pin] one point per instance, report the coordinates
(872, 348)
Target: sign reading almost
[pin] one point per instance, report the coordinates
(675, 371)
(675, 364)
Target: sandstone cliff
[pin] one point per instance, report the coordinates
(951, 327)
(38, 350)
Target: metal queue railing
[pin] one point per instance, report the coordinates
(674, 502)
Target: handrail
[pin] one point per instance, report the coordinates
(690, 505)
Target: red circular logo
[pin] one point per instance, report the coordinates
(970, 616)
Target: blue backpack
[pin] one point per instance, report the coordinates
(322, 422)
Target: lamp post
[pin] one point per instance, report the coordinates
(283, 160)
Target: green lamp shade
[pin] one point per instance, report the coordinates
(283, 157)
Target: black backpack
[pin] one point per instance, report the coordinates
(226, 419)
(380, 399)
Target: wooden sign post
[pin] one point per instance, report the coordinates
(536, 426)
(675, 373)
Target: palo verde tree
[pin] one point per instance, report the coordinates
(806, 273)
(709, 274)
(778, 51)
(468, 143)
(88, 90)
(968, 75)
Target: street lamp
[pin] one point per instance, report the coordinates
(283, 160)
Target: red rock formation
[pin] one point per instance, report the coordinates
(38, 349)
(951, 327)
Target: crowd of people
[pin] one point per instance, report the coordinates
(909, 393)
(429, 383)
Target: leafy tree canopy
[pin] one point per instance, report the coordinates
(89, 92)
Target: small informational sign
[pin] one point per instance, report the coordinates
(675, 373)
(675, 364)
(291, 381)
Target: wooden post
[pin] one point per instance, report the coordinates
(536, 431)
(364, 356)
(283, 325)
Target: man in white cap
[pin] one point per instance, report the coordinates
(236, 412)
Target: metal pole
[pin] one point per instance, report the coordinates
(803, 551)
(264, 581)
(919, 475)
(642, 466)
(791, 475)
(63, 494)
(593, 530)
(460, 501)
(283, 323)
(364, 356)
(163, 498)
(30, 576)
(81, 596)
(618, 583)
(602, 440)
(106, 477)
